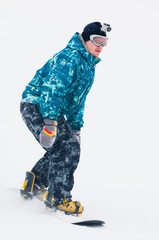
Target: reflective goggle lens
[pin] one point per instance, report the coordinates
(98, 40)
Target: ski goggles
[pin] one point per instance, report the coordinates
(99, 40)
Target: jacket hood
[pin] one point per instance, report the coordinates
(76, 44)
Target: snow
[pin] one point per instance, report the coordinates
(117, 178)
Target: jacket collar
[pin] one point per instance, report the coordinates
(78, 44)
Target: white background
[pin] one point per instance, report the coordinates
(118, 176)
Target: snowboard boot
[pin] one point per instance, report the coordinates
(29, 188)
(74, 208)
(67, 206)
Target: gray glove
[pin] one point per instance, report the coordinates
(48, 134)
(77, 135)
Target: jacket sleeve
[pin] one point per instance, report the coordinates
(76, 120)
(56, 85)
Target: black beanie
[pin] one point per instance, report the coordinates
(93, 28)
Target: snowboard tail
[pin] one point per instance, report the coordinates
(90, 223)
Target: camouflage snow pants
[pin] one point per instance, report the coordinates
(59, 163)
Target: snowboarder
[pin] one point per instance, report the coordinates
(52, 107)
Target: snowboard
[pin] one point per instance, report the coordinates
(86, 223)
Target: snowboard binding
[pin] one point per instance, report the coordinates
(29, 188)
(67, 206)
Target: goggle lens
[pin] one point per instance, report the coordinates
(98, 40)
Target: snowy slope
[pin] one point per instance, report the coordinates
(125, 219)
(117, 180)
(29, 220)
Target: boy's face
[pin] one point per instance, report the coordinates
(93, 49)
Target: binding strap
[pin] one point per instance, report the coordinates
(77, 207)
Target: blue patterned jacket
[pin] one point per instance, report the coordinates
(62, 84)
